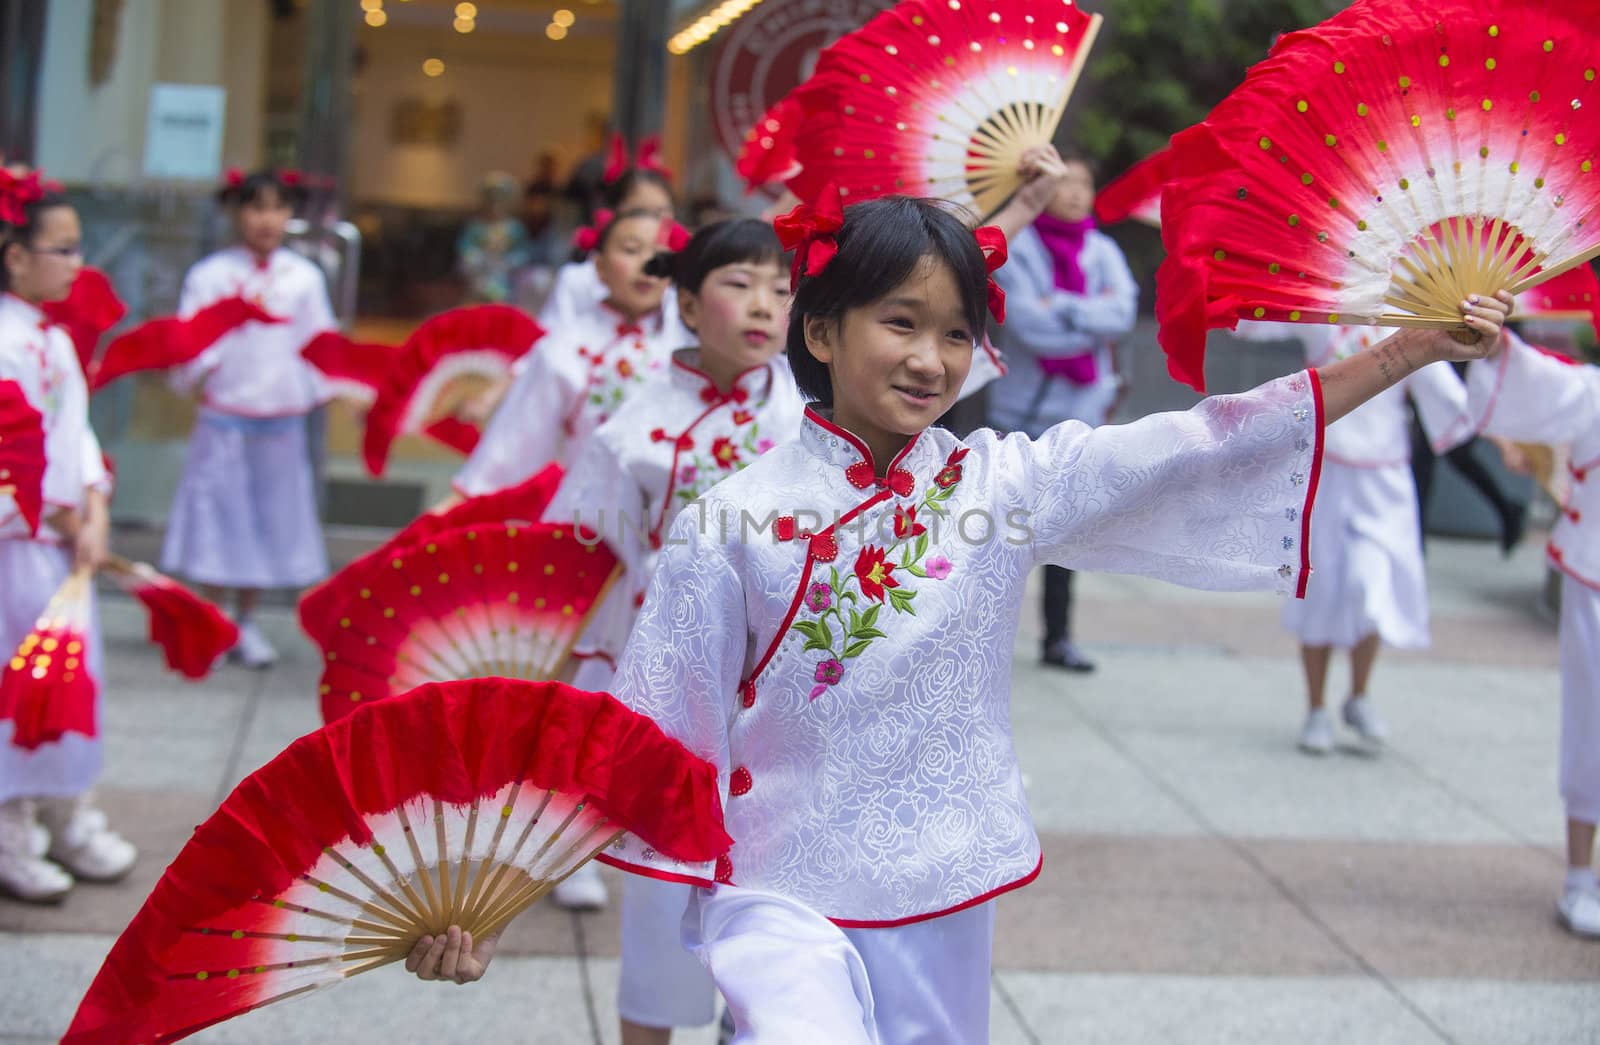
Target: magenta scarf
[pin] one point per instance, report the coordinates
(1064, 241)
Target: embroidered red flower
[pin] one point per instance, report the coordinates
(743, 417)
(951, 473)
(828, 673)
(725, 452)
(624, 368)
(905, 523)
(875, 572)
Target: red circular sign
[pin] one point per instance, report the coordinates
(769, 52)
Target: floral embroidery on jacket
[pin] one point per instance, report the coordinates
(844, 609)
(699, 470)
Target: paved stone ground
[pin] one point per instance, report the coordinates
(1203, 882)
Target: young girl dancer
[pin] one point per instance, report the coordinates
(721, 405)
(1370, 587)
(50, 784)
(245, 514)
(1526, 394)
(583, 371)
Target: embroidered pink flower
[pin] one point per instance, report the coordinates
(905, 523)
(938, 567)
(725, 452)
(819, 597)
(874, 572)
(764, 444)
(829, 672)
(687, 473)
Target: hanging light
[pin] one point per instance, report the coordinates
(709, 24)
(433, 67)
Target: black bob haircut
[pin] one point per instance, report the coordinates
(616, 223)
(619, 190)
(880, 246)
(23, 234)
(253, 185)
(720, 243)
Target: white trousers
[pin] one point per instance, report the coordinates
(1580, 700)
(661, 983)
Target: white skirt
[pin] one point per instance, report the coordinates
(245, 515)
(1367, 573)
(661, 984)
(1580, 700)
(792, 977)
(30, 572)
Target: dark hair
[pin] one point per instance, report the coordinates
(880, 246)
(720, 243)
(1073, 154)
(616, 220)
(32, 215)
(620, 189)
(292, 191)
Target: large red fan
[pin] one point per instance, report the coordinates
(940, 98)
(1137, 194)
(46, 690)
(22, 457)
(170, 341)
(355, 369)
(457, 804)
(191, 631)
(478, 342)
(768, 154)
(1575, 294)
(90, 309)
(485, 601)
(1382, 166)
(523, 503)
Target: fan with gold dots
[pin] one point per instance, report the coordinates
(492, 600)
(1379, 168)
(940, 98)
(460, 803)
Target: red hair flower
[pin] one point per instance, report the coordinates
(648, 157)
(992, 241)
(810, 232)
(587, 238)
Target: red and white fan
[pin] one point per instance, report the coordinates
(22, 457)
(490, 601)
(191, 631)
(355, 369)
(90, 309)
(46, 689)
(474, 344)
(1137, 194)
(1380, 167)
(170, 341)
(940, 98)
(768, 154)
(457, 804)
(1573, 295)
(524, 503)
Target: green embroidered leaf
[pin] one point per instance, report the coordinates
(921, 548)
(901, 598)
(916, 571)
(855, 649)
(855, 622)
(817, 634)
(869, 618)
(687, 495)
(870, 633)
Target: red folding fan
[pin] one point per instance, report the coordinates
(1573, 295)
(523, 503)
(501, 601)
(90, 309)
(1382, 166)
(460, 436)
(22, 459)
(46, 690)
(191, 631)
(480, 342)
(355, 369)
(768, 154)
(169, 341)
(458, 804)
(1137, 194)
(940, 98)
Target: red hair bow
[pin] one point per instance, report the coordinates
(674, 236)
(648, 157)
(992, 241)
(810, 232)
(587, 238)
(233, 177)
(16, 192)
(291, 178)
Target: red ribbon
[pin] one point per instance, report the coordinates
(16, 192)
(648, 157)
(233, 177)
(992, 242)
(674, 236)
(291, 178)
(588, 237)
(810, 232)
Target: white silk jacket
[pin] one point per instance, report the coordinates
(839, 643)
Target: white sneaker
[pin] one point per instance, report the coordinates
(1360, 716)
(81, 841)
(583, 890)
(1579, 911)
(253, 650)
(29, 878)
(1316, 736)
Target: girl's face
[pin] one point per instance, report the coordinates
(620, 264)
(1074, 197)
(44, 269)
(739, 315)
(263, 220)
(898, 363)
(647, 195)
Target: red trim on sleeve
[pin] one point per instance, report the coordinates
(652, 872)
(1311, 487)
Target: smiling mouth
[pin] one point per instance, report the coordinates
(757, 337)
(921, 395)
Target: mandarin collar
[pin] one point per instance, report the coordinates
(751, 384)
(30, 313)
(647, 325)
(843, 449)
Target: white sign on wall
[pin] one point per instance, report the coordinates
(184, 136)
